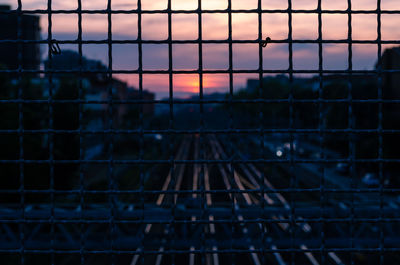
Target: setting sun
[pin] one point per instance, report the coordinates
(187, 83)
(191, 83)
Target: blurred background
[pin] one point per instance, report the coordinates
(104, 146)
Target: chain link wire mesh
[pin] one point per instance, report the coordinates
(300, 169)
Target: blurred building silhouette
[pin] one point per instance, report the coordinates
(391, 80)
(148, 109)
(70, 61)
(96, 80)
(97, 90)
(391, 88)
(97, 86)
(29, 30)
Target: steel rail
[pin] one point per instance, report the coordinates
(196, 172)
(305, 226)
(181, 170)
(217, 154)
(211, 226)
(160, 199)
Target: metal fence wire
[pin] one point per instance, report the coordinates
(299, 167)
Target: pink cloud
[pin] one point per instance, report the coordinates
(185, 27)
(215, 27)
(304, 4)
(244, 26)
(274, 4)
(335, 26)
(275, 26)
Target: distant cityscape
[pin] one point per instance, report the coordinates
(97, 91)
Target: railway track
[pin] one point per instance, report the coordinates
(252, 173)
(237, 187)
(207, 210)
(182, 154)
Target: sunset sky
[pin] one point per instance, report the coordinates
(215, 27)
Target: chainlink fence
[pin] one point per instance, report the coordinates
(298, 167)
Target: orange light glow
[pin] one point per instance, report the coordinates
(186, 83)
(191, 83)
